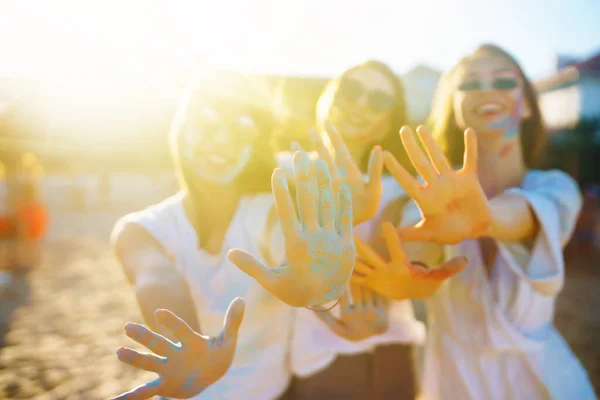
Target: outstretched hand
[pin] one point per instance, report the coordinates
(366, 194)
(399, 278)
(185, 369)
(366, 316)
(319, 250)
(452, 203)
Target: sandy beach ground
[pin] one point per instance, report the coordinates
(62, 345)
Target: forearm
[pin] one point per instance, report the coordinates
(171, 295)
(512, 218)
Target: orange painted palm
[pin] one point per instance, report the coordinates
(399, 278)
(452, 202)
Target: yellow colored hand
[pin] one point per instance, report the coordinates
(452, 202)
(399, 278)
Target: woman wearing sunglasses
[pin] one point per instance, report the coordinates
(357, 113)
(177, 253)
(491, 334)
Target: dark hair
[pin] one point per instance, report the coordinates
(235, 89)
(450, 137)
(391, 141)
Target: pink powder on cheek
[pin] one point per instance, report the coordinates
(506, 149)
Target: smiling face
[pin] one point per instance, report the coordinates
(216, 145)
(490, 97)
(363, 105)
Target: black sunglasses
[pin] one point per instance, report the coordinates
(378, 100)
(498, 83)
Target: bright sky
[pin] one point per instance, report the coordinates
(310, 37)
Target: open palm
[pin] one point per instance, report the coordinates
(366, 193)
(319, 250)
(187, 368)
(452, 203)
(366, 316)
(399, 278)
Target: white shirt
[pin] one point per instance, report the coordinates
(259, 369)
(493, 337)
(314, 346)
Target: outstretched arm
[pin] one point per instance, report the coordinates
(186, 367)
(512, 218)
(156, 281)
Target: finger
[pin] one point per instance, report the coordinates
(367, 297)
(393, 244)
(402, 176)
(145, 361)
(306, 190)
(296, 146)
(375, 168)
(368, 254)
(342, 153)
(327, 211)
(435, 153)
(324, 153)
(363, 268)
(447, 270)
(233, 318)
(416, 155)
(172, 322)
(153, 341)
(284, 204)
(330, 320)
(376, 299)
(470, 157)
(358, 280)
(141, 392)
(415, 233)
(251, 266)
(345, 214)
(357, 297)
(345, 303)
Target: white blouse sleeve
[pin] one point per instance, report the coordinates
(556, 201)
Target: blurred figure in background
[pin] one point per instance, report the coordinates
(31, 214)
(23, 224)
(6, 247)
(6, 220)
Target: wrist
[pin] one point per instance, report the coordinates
(324, 306)
(494, 206)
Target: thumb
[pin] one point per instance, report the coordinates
(447, 270)
(451, 267)
(414, 234)
(296, 146)
(233, 318)
(251, 266)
